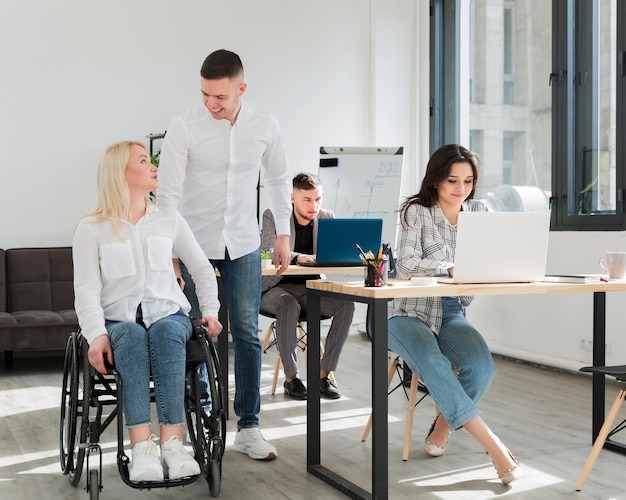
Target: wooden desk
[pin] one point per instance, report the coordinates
(377, 299)
(222, 340)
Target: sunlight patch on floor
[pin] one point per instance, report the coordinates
(479, 482)
(22, 400)
(26, 458)
(327, 425)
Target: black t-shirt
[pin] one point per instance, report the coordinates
(304, 237)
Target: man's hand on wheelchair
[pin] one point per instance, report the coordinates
(100, 353)
(213, 325)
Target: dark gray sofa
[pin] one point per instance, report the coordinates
(36, 299)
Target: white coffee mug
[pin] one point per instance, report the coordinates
(614, 264)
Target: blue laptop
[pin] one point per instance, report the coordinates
(337, 241)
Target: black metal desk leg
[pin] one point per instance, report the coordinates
(313, 432)
(380, 473)
(599, 382)
(599, 341)
(380, 442)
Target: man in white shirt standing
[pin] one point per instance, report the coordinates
(208, 169)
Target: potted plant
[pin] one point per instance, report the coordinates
(266, 259)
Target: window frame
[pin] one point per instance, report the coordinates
(572, 106)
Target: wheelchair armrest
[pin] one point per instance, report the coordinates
(197, 344)
(199, 331)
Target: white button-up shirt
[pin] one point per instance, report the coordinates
(114, 273)
(209, 171)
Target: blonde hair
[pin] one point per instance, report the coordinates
(113, 195)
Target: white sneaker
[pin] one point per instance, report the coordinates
(146, 465)
(177, 461)
(250, 440)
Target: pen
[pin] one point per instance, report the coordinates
(363, 256)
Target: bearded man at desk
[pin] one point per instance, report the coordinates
(285, 296)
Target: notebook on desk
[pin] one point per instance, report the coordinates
(500, 247)
(337, 241)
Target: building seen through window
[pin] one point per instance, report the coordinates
(510, 102)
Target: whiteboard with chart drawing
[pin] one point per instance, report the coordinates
(363, 182)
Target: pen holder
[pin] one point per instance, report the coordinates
(376, 272)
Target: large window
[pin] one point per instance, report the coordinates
(544, 87)
(511, 108)
(588, 187)
(509, 98)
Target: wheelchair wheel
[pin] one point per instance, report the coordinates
(74, 422)
(215, 474)
(67, 427)
(208, 435)
(215, 424)
(94, 485)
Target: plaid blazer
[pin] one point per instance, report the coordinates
(427, 241)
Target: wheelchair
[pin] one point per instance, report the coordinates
(92, 401)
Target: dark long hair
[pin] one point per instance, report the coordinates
(438, 170)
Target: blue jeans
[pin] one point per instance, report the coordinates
(241, 279)
(458, 344)
(161, 349)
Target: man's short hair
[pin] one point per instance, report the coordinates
(306, 181)
(221, 64)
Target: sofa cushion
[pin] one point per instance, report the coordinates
(45, 318)
(34, 337)
(7, 319)
(39, 279)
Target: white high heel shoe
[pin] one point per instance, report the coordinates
(432, 449)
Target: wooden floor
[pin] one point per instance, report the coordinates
(543, 416)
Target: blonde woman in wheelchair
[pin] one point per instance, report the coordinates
(132, 311)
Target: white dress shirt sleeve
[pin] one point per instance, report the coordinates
(278, 179)
(87, 282)
(187, 248)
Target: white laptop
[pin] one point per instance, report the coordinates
(500, 247)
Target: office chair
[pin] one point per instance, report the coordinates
(397, 366)
(606, 431)
(270, 340)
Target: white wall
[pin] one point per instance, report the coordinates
(78, 75)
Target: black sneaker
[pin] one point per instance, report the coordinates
(295, 389)
(328, 390)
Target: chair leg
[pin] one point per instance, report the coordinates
(368, 426)
(264, 345)
(268, 336)
(601, 439)
(276, 371)
(408, 427)
(301, 336)
(303, 345)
